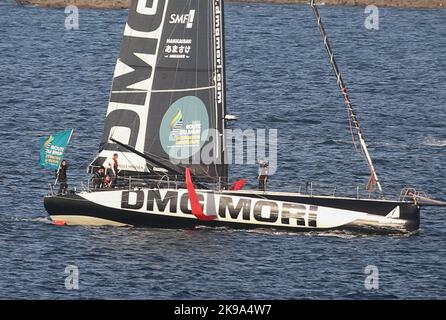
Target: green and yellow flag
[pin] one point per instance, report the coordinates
(52, 149)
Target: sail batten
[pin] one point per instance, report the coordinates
(174, 90)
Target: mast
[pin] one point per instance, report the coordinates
(352, 116)
(220, 85)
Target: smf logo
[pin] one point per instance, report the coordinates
(187, 19)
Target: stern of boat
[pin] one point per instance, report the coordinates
(73, 209)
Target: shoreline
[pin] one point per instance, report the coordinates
(123, 4)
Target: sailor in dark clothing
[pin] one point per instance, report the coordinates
(115, 171)
(263, 174)
(61, 175)
(98, 178)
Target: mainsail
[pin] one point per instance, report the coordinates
(168, 92)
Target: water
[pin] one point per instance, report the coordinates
(278, 77)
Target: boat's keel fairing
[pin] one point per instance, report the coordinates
(171, 208)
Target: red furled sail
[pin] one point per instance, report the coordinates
(238, 185)
(197, 210)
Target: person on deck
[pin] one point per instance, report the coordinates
(107, 182)
(263, 174)
(61, 175)
(114, 182)
(98, 178)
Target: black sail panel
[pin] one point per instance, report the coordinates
(185, 120)
(168, 89)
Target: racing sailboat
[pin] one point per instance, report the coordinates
(166, 120)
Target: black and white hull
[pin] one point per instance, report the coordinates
(171, 208)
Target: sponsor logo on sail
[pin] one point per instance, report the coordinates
(177, 48)
(134, 75)
(183, 126)
(187, 19)
(177, 121)
(219, 55)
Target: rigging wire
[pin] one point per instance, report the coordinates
(353, 120)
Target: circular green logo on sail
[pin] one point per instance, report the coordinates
(182, 127)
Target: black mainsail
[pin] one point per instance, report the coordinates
(168, 91)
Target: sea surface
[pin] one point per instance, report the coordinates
(278, 77)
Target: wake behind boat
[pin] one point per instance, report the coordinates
(167, 121)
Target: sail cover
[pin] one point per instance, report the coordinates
(168, 92)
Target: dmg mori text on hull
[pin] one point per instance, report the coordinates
(171, 208)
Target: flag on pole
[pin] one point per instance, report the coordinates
(52, 149)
